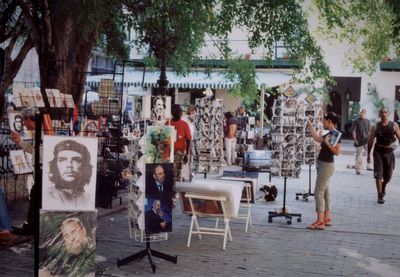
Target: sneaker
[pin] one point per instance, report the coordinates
(358, 172)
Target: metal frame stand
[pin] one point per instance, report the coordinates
(305, 195)
(149, 253)
(283, 213)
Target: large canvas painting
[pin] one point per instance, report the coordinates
(17, 125)
(158, 194)
(160, 145)
(67, 243)
(69, 173)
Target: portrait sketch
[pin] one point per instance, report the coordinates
(69, 173)
(159, 107)
(158, 198)
(67, 243)
(16, 122)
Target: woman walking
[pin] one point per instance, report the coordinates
(325, 169)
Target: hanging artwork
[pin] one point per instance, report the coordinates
(16, 122)
(19, 163)
(136, 113)
(38, 98)
(27, 98)
(160, 145)
(159, 194)
(156, 108)
(67, 244)
(69, 173)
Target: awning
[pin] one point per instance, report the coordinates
(214, 80)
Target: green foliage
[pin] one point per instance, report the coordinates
(355, 111)
(375, 99)
(178, 28)
(243, 71)
(371, 28)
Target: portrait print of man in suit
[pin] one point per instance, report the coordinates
(159, 186)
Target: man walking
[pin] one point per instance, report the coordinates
(360, 132)
(385, 133)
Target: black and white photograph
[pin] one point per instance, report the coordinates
(69, 173)
(16, 122)
(156, 108)
(67, 243)
(136, 113)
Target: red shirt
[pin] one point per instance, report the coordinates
(182, 134)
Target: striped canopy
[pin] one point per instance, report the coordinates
(199, 80)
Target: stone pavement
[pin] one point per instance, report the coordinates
(364, 238)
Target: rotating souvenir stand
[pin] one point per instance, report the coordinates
(136, 205)
(208, 135)
(287, 137)
(313, 112)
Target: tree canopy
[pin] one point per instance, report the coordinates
(372, 27)
(64, 33)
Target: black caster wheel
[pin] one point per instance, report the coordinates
(297, 198)
(299, 219)
(306, 199)
(289, 222)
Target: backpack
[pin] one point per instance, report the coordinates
(270, 193)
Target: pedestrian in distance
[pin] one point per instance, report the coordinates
(361, 131)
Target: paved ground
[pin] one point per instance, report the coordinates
(364, 238)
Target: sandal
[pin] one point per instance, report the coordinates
(317, 226)
(328, 222)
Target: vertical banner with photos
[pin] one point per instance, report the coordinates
(159, 179)
(67, 243)
(69, 173)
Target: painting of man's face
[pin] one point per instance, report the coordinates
(74, 235)
(69, 165)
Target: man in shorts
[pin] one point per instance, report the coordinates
(385, 133)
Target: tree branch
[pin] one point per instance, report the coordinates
(31, 24)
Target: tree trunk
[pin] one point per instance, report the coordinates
(63, 64)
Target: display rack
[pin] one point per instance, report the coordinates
(313, 112)
(208, 135)
(284, 211)
(287, 126)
